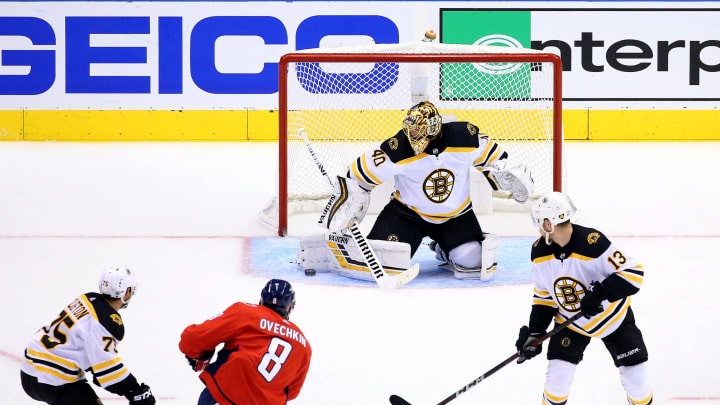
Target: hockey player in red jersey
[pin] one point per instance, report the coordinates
(264, 359)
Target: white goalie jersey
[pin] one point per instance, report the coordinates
(562, 275)
(436, 183)
(82, 338)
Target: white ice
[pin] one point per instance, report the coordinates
(180, 214)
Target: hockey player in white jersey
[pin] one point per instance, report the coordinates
(83, 338)
(575, 268)
(430, 162)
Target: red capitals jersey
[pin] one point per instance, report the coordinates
(264, 360)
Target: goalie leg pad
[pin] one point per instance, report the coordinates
(339, 254)
(313, 253)
(475, 260)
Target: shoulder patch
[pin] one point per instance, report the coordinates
(397, 148)
(472, 129)
(589, 242)
(593, 237)
(393, 142)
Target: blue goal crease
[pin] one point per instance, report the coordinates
(275, 258)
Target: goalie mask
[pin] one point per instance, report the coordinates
(421, 124)
(556, 207)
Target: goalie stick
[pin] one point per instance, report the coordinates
(397, 400)
(382, 278)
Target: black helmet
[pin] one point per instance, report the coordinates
(279, 296)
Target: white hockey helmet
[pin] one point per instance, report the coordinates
(114, 282)
(556, 207)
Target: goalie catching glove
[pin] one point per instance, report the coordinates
(349, 202)
(516, 180)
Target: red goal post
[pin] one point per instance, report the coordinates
(348, 99)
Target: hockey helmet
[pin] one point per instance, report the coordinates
(279, 296)
(556, 207)
(421, 124)
(115, 281)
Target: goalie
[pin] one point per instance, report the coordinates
(430, 162)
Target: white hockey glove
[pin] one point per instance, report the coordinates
(349, 202)
(516, 180)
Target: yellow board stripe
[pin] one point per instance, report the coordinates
(254, 125)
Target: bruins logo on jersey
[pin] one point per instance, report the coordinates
(593, 237)
(472, 129)
(569, 293)
(438, 185)
(116, 318)
(393, 143)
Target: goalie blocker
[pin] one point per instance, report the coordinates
(339, 254)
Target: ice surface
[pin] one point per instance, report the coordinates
(184, 216)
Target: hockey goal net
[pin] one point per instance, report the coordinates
(349, 99)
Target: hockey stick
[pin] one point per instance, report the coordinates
(396, 400)
(382, 278)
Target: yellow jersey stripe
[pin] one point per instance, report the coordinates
(106, 364)
(367, 171)
(114, 376)
(412, 159)
(459, 149)
(443, 216)
(580, 257)
(630, 277)
(484, 155)
(54, 359)
(547, 303)
(55, 373)
(359, 177)
(543, 259)
(89, 306)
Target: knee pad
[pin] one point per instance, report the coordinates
(636, 383)
(559, 378)
(468, 255)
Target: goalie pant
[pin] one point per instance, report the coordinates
(338, 253)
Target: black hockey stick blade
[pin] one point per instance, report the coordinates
(396, 400)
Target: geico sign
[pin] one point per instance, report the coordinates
(632, 55)
(79, 55)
